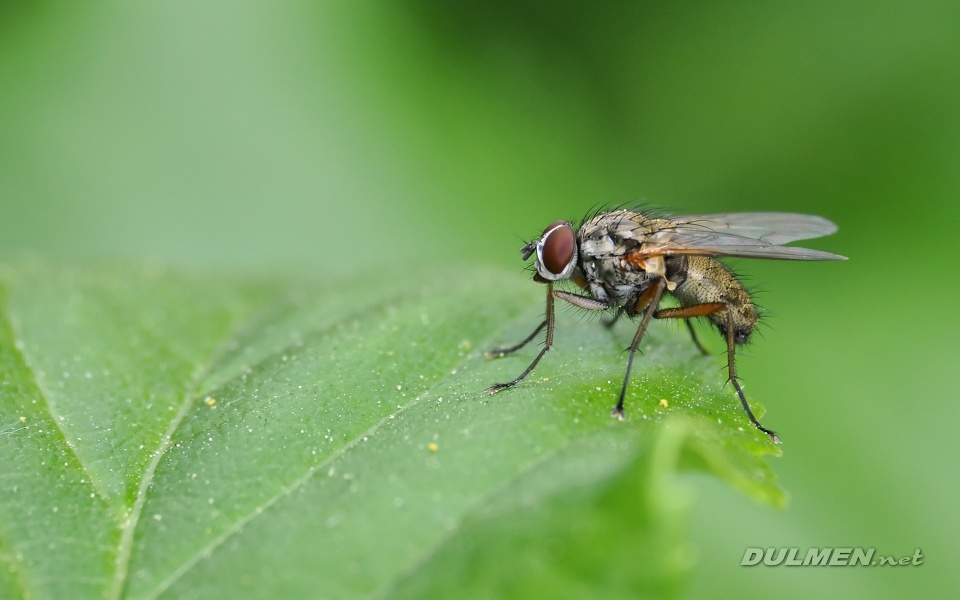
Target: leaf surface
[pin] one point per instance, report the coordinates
(172, 435)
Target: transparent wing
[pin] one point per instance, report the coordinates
(749, 235)
(771, 227)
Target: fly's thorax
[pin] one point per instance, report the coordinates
(612, 278)
(605, 241)
(618, 231)
(596, 242)
(701, 280)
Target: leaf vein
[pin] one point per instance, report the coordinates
(55, 418)
(125, 550)
(300, 481)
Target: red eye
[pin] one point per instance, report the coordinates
(558, 243)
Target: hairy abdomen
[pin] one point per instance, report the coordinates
(702, 280)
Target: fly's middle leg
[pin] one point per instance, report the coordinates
(609, 323)
(648, 302)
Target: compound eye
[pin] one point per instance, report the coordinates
(557, 247)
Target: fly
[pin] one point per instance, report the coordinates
(626, 262)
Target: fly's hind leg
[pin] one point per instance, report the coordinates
(693, 336)
(709, 308)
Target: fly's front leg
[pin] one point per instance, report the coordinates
(709, 308)
(581, 301)
(587, 302)
(498, 352)
(548, 342)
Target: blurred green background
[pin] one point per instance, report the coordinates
(344, 137)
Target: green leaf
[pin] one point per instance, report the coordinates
(171, 435)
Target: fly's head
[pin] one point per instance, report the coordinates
(556, 252)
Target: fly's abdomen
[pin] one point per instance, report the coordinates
(702, 280)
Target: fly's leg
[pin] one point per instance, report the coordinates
(587, 302)
(581, 301)
(498, 352)
(609, 323)
(709, 308)
(649, 300)
(693, 336)
(548, 342)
